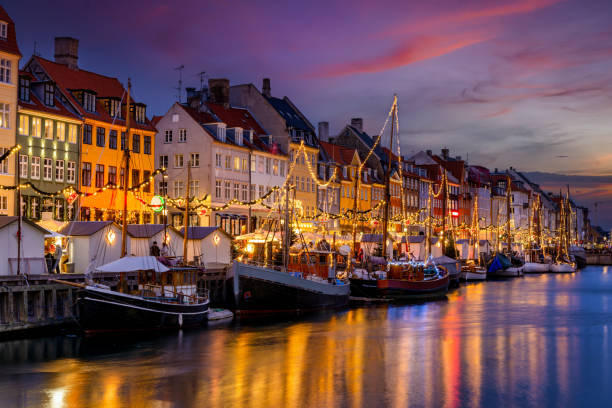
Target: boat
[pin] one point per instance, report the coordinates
(452, 266)
(414, 281)
(536, 267)
(501, 266)
(261, 291)
(579, 255)
(472, 272)
(166, 298)
(563, 267)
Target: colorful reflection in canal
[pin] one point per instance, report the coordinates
(537, 341)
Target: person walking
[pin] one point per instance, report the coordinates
(154, 251)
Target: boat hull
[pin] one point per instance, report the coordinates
(562, 268)
(400, 289)
(102, 310)
(535, 267)
(511, 272)
(364, 287)
(260, 291)
(477, 275)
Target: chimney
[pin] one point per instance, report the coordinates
(218, 89)
(445, 153)
(357, 123)
(193, 97)
(67, 51)
(265, 88)
(324, 131)
(429, 152)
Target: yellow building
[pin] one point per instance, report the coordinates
(101, 102)
(303, 162)
(9, 67)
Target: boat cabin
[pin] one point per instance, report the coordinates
(174, 283)
(314, 262)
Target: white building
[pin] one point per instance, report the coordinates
(208, 246)
(32, 247)
(142, 236)
(91, 244)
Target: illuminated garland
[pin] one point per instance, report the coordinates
(9, 152)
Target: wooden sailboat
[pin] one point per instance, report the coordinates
(403, 280)
(165, 298)
(562, 263)
(533, 266)
(473, 271)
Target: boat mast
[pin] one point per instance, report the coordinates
(286, 231)
(444, 210)
(356, 187)
(387, 182)
(429, 207)
(19, 219)
(508, 208)
(186, 215)
(126, 176)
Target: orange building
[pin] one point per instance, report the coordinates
(101, 103)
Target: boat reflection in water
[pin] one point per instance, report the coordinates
(484, 346)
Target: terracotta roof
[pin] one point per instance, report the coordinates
(10, 44)
(340, 154)
(236, 117)
(68, 79)
(155, 119)
(83, 228)
(36, 104)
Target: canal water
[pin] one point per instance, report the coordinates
(543, 340)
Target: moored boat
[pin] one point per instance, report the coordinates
(562, 267)
(414, 282)
(165, 299)
(473, 273)
(263, 291)
(536, 267)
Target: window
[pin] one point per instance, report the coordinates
(238, 136)
(195, 159)
(218, 160)
(72, 133)
(194, 188)
(86, 174)
(112, 175)
(182, 135)
(245, 167)
(99, 175)
(163, 161)
(178, 161)
(145, 177)
(24, 125)
(61, 131)
(236, 191)
(23, 166)
(112, 139)
(147, 145)
(140, 113)
(48, 129)
(113, 107)
(221, 133)
(168, 136)
(163, 188)
(175, 117)
(59, 170)
(135, 178)
(100, 136)
(312, 185)
(218, 189)
(3, 30)
(227, 191)
(5, 67)
(252, 192)
(3, 204)
(136, 143)
(275, 167)
(268, 165)
(87, 134)
(228, 162)
(178, 189)
(261, 191)
(237, 163)
(122, 177)
(89, 101)
(71, 172)
(5, 110)
(47, 169)
(24, 89)
(4, 163)
(245, 192)
(49, 95)
(123, 140)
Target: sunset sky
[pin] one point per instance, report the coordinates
(522, 83)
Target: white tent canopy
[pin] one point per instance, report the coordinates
(132, 264)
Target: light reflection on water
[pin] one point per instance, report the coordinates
(538, 341)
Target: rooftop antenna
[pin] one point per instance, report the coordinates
(202, 75)
(203, 96)
(180, 82)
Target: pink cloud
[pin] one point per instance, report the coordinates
(411, 51)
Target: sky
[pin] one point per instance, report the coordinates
(522, 83)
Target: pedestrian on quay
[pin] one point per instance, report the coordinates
(154, 251)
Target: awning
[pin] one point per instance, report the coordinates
(133, 264)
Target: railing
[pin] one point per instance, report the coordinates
(35, 266)
(195, 299)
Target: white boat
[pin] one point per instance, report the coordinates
(510, 272)
(563, 267)
(475, 274)
(536, 267)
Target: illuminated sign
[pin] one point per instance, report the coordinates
(70, 196)
(157, 203)
(455, 213)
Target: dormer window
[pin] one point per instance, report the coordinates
(49, 95)
(3, 30)
(139, 113)
(221, 132)
(238, 136)
(24, 89)
(89, 101)
(113, 107)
